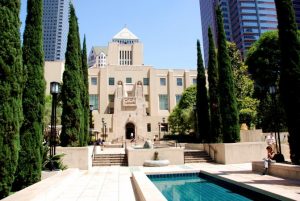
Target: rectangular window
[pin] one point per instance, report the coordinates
(93, 81)
(194, 80)
(162, 81)
(111, 98)
(178, 97)
(179, 81)
(147, 98)
(128, 80)
(94, 101)
(148, 127)
(163, 102)
(146, 81)
(111, 81)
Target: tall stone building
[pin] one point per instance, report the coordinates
(128, 97)
(55, 28)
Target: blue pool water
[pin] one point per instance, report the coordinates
(192, 187)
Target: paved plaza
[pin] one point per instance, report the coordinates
(113, 183)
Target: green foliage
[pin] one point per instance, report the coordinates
(54, 163)
(214, 101)
(228, 105)
(72, 114)
(11, 86)
(181, 119)
(31, 133)
(85, 94)
(290, 73)
(203, 119)
(264, 65)
(244, 87)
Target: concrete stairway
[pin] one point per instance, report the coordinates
(196, 156)
(110, 159)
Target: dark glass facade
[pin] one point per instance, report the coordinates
(296, 4)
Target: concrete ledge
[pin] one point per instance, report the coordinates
(278, 169)
(156, 163)
(48, 189)
(146, 190)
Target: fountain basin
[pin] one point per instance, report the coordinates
(156, 163)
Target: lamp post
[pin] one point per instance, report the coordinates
(164, 120)
(105, 131)
(196, 120)
(91, 122)
(103, 127)
(273, 92)
(159, 124)
(54, 90)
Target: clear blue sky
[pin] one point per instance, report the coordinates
(168, 29)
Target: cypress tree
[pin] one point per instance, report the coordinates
(11, 82)
(290, 73)
(202, 101)
(214, 102)
(85, 91)
(72, 114)
(228, 104)
(31, 133)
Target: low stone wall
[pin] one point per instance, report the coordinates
(278, 169)
(136, 157)
(231, 153)
(259, 136)
(77, 157)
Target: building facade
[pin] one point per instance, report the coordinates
(55, 28)
(250, 19)
(128, 97)
(296, 4)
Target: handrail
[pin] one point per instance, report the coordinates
(94, 150)
(214, 150)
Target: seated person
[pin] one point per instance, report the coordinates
(270, 157)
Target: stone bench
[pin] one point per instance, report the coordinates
(278, 169)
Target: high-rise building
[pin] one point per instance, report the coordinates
(207, 11)
(55, 28)
(250, 19)
(296, 4)
(208, 19)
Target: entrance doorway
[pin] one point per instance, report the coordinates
(130, 128)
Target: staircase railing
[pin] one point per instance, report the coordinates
(94, 151)
(210, 147)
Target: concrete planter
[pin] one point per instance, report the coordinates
(77, 157)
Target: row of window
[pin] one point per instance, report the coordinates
(163, 81)
(163, 100)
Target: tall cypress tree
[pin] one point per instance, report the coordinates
(228, 106)
(202, 100)
(290, 73)
(214, 102)
(31, 133)
(85, 92)
(72, 114)
(11, 82)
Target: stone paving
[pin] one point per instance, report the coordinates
(113, 183)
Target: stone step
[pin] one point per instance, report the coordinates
(196, 157)
(110, 159)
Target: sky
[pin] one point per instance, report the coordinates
(169, 29)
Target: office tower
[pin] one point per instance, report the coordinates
(207, 11)
(250, 19)
(208, 19)
(55, 28)
(296, 4)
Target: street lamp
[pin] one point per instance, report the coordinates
(54, 90)
(196, 121)
(103, 127)
(273, 92)
(104, 131)
(159, 124)
(91, 122)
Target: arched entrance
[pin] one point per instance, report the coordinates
(130, 128)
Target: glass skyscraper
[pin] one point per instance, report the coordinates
(296, 4)
(208, 19)
(55, 28)
(249, 19)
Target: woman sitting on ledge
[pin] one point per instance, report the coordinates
(270, 157)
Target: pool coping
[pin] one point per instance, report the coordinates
(147, 191)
